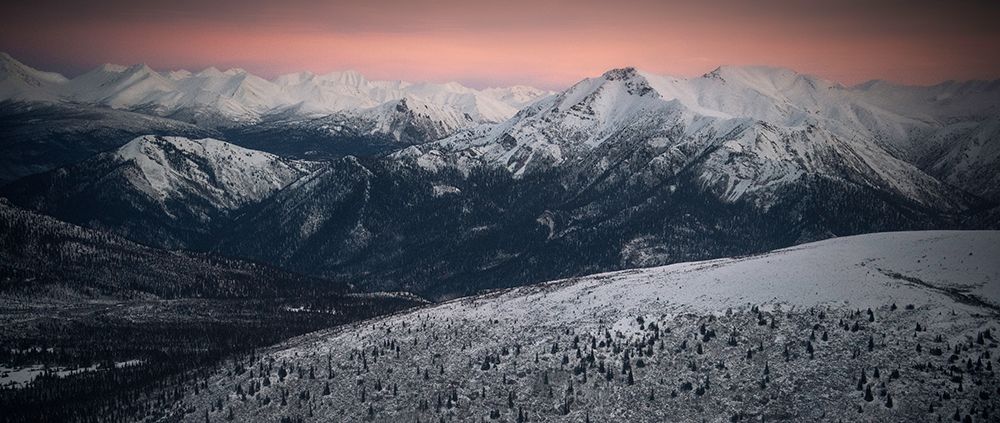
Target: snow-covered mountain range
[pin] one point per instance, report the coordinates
(880, 327)
(288, 192)
(236, 96)
(301, 115)
(748, 130)
(621, 170)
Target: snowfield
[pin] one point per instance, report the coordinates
(882, 327)
(857, 272)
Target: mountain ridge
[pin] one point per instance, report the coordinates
(626, 102)
(239, 95)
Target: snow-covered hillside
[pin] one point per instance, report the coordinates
(227, 175)
(168, 191)
(22, 83)
(882, 327)
(936, 269)
(236, 96)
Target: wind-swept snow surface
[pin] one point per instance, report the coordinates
(883, 327)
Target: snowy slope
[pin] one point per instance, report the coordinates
(780, 336)
(122, 87)
(966, 154)
(855, 272)
(22, 83)
(924, 268)
(941, 102)
(168, 191)
(227, 175)
(43, 136)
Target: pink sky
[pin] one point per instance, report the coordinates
(550, 44)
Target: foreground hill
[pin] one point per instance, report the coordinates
(883, 327)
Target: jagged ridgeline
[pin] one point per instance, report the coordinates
(49, 120)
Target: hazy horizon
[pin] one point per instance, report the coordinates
(548, 45)
(475, 86)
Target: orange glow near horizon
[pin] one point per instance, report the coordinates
(550, 44)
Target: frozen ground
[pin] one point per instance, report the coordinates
(883, 327)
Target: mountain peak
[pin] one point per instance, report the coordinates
(111, 68)
(238, 175)
(633, 80)
(621, 74)
(136, 148)
(140, 68)
(210, 71)
(239, 96)
(9, 63)
(179, 74)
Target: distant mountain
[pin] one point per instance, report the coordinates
(299, 115)
(37, 137)
(225, 98)
(171, 191)
(20, 82)
(623, 170)
(748, 130)
(880, 327)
